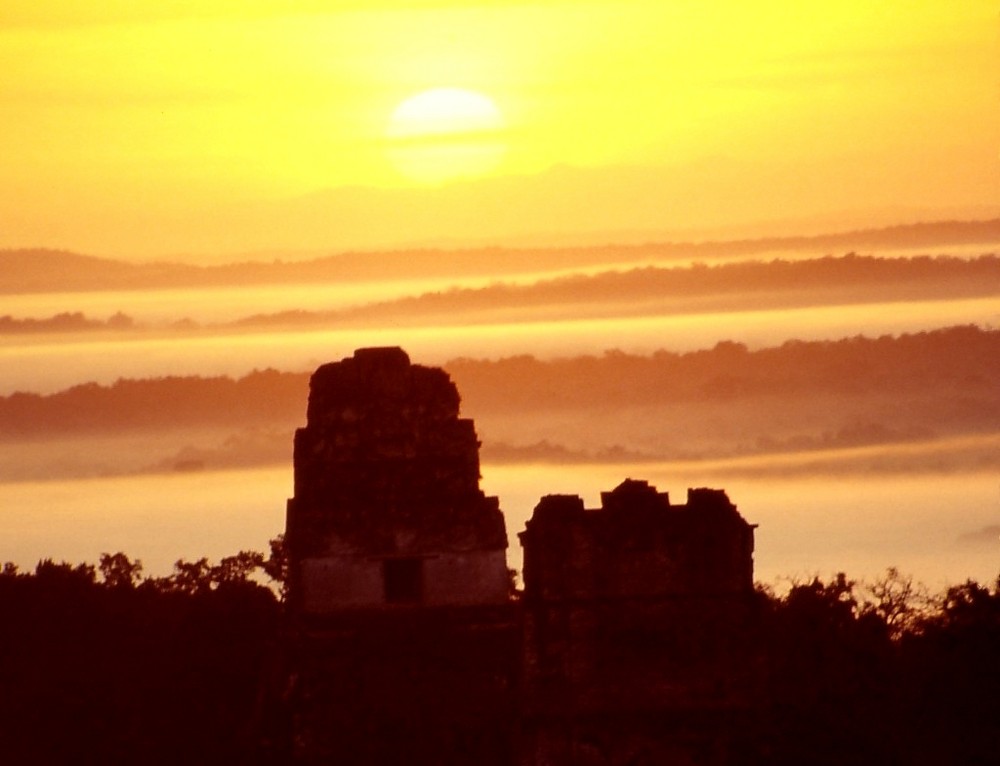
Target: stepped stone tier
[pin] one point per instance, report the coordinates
(387, 507)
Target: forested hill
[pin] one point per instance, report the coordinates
(41, 270)
(637, 290)
(957, 366)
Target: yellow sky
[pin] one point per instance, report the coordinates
(136, 115)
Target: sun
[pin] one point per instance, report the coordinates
(445, 134)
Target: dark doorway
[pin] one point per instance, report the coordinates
(403, 580)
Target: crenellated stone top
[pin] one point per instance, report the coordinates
(637, 544)
(385, 465)
(379, 384)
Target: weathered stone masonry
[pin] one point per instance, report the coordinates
(387, 504)
(406, 643)
(634, 625)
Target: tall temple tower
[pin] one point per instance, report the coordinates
(405, 641)
(387, 508)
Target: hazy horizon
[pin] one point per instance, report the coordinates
(476, 214)
(764, 424)
(781, 377)
(219, 127)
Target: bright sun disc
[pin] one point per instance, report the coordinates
(444, 134)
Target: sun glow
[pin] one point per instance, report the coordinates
(445, 134)
(241, 125)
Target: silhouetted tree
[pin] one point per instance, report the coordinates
(898, 601)
(275, 566)
(189, 577)
(119, 571)
(236, 569)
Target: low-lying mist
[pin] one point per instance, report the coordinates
(936, 527)
(579, 294)
(926, 401)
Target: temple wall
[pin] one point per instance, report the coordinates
(331, 583)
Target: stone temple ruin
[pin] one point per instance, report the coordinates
(408, 644)
(387, 507)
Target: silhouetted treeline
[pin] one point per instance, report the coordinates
(877, 675)
(956, 368)
(746, 285)
(98, 665)
(964, 361)
(262, 397)
(121, 669)
(40, 270)
(698, 288)
(65, 322)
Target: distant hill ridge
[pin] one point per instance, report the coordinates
(957, 367)
(44, 270)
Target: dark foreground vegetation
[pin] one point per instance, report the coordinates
(101, 665)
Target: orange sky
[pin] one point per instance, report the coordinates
(221, 126)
